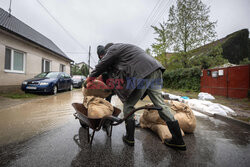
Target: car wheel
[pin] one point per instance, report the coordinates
(54, 90)
(71, 87)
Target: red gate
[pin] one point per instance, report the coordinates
(231, 82)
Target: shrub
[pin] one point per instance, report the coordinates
(184, 78)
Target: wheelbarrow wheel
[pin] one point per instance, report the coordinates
(83, 124)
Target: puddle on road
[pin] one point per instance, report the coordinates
(24, 121)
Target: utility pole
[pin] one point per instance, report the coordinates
(10, 8)
(89, 57)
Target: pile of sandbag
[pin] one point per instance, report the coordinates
(184, 115)
(93, 100)
(96, 88)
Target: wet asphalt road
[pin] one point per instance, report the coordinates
(214, 143)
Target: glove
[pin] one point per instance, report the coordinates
(88, 80)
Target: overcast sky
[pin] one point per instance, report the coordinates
(93, 22)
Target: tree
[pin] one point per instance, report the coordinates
(161, 44)
(148, 51)
(85, 70)
(187, 27)
(76, 70)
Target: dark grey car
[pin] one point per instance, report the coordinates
(78, 80)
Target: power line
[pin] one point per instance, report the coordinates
(77, 52)
(66, 31)
(161, 10)
(149, 17)
(161, 13)
(158, 10)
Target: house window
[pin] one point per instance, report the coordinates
(46, 65)
(62, 68)
(14, 61)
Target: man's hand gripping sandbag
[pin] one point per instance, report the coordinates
(96, 87)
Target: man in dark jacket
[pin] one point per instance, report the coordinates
(133, 73)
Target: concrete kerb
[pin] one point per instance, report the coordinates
(227, 119)
(232, 120)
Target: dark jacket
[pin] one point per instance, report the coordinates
(126, 61)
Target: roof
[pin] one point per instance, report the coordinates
(83, 63)
(15, 26)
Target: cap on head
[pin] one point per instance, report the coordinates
(100, 50)
(108, 46)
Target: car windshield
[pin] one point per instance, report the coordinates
(47, 75)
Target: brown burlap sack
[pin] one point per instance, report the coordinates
(163, 131)
(87, 99)
(96, 88)
(185, 116)
(152, 116)
(144, 123)
(97, 107)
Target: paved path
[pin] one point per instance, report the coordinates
(214, 143)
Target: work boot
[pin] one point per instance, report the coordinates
(130, 131)
(177, 140)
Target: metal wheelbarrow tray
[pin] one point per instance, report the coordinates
(96, 124)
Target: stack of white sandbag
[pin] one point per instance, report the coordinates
(209, 107)
(205, 96)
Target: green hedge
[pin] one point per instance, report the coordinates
(185, 78)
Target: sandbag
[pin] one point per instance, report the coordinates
(153, 116)
(97, 107)
(185, 116)
(151, 119)
(144, 123)
(96, 88)
(163, 131)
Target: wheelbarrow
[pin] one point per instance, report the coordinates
(96, 124)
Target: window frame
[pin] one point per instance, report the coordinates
(11, 70)
(63, 68)
(44, 64)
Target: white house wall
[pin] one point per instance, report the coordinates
(33, 59)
